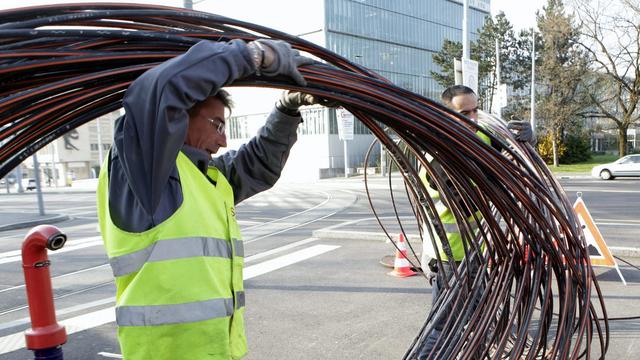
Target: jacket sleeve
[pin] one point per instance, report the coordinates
(257, 165)
(156, 119)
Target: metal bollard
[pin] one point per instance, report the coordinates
(46, 336)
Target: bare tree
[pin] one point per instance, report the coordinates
(610, 32)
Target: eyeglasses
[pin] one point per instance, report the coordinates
(219, 125)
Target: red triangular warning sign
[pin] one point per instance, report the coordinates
(602, 255)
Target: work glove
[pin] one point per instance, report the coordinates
(278, 58)
(521, 130)
(292, 100)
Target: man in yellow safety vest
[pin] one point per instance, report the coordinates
(463, 100)
(166, 207)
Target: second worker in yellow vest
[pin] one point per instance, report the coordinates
(463, 100)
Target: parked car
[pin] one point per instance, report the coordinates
(29, 184)
(625, 166)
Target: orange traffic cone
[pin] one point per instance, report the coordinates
(401, 266)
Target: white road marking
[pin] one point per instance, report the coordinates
(57, 277)
(110, 355)
(20, 233)
(72, 325)
(97, 318)
(14, 256)
(616, 224)
(69, 310)
(277, 250)
(80, 207)
(286, 260)
(292, 227)
(571, 189)
(297, 213)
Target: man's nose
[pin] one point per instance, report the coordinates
(221, 139)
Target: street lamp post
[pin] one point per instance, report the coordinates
(465, 30)
(533, 82)
(36, 170)
(497, 104)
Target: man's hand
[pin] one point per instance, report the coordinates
(292, 100)
(521, 130)
(278, 58)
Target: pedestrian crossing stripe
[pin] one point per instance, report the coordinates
(594, 239)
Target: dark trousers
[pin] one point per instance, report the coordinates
(440, 320)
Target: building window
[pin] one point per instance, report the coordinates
(237, 128)
(94, 147)
(314, 122)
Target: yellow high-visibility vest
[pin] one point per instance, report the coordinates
(448, 221)
(179, 285)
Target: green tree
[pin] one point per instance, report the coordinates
(563, 64)
(444, 58)
(483, 51)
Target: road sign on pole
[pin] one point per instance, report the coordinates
(470, 74)
(503, 96)
(345, 124)
(345, 133)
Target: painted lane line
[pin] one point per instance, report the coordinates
(93, 287)
(13, 253)
(629, 221)
(59, 313)
(20, 233)
(286, 260)
(97, 318)
(65, 249)
(80, 207)
(110, 355)
(616, 224)
(58, 277)
(72, 325)
(328, 198)
(292, 227)
(277, 250)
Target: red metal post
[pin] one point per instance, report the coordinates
(46, 335)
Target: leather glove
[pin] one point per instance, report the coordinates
(278, 58)
(292, 100)
(521, 130)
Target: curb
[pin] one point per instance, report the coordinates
(568, 177)
(47, 220)
(378, 236)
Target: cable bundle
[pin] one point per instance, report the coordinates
(64, 65)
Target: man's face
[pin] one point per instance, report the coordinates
(207, 126)
(466, 104)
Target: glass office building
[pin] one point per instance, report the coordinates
(397, 39)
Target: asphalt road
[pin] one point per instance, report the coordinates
(307, 298)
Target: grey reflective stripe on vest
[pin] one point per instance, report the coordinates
(172, 249)
(239, 246)
(453, 228)
(239, 299)
(173, 313)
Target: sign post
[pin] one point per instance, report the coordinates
(345, 133)
(470, 74)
